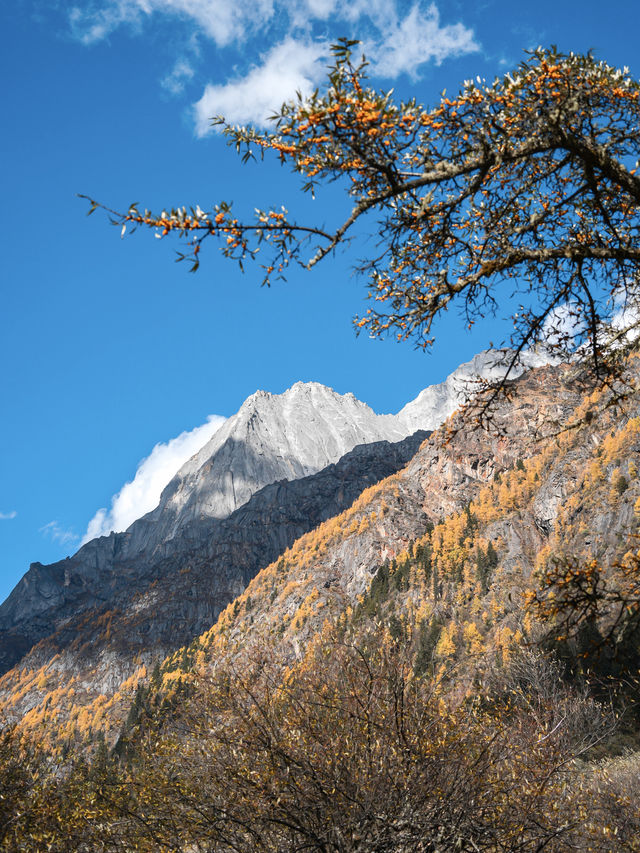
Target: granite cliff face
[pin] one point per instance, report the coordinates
(278, 469)
(271, 438)
(162, 598)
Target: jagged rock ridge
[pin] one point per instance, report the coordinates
(162, 600)
(272, 437)
(436, 403)
(232, 509)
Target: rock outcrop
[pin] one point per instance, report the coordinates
(281, 587)
(161, 600)
(273, 437)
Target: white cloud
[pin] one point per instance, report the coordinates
(419, 38)
(318, 9)
(395, 40)
(179, 76)
(58, 533)
(562, 329)
(625, 323)
(566, 330)
(142, 494)
(223, 21)
(395, 46)
(623, 329)
(289, 67)
(7, 516)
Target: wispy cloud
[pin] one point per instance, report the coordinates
(223, 21)
(398, 37)
(7, 516)
(561, 331)
(625, 315)
(566, 331)
(54, 531)
(142, 494)
(178, 77)
(289, 67)
(419, 39)
(397, 46)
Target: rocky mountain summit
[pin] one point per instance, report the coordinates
(273, 437)
(436, 403)
(276, 470)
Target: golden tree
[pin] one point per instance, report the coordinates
(594, 607)
(528, 183)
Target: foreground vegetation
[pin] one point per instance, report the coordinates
(350, 750)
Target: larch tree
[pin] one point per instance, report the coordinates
(524, 189)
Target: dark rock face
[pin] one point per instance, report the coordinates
(449, 470)
(226, 513)
(272, 437)
(161, 598)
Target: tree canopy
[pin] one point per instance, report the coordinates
(523, 187)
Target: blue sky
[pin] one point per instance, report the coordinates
(107, 347)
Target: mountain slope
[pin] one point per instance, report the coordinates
(331, 568)
(320, 575)
(272, 437)
(149, 611)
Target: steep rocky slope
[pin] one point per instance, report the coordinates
(272, 437)
(331, 568)
(451, 547)
(138, 613)
(321, 573)
(462, 530)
